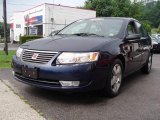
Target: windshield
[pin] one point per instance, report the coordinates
(99, 27)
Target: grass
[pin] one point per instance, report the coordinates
(5, 61)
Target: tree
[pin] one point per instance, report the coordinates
(149, 14)
(2, 29)
(121, 8)
(116, 8)
(147, 25)
(153, 14)
(102, 7)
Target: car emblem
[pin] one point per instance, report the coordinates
(35, 56)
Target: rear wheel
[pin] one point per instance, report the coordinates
(148, 66)
(114, 79)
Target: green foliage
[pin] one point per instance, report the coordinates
(5, 61)
(121, 8)
(153, 14)
(102, 7)
(158, 30)
(24, 39)
(149, 14)
(147, 25)
(2, 29)
(116, 8)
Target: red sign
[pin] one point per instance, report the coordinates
(11, 25)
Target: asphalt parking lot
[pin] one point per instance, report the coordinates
(139, 99)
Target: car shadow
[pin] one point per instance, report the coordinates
(69, 98)
(131, 79)
(135, 79)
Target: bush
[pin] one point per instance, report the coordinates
(158, 30)
(24, 39)
(147, 26)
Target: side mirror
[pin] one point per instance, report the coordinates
(132, 37)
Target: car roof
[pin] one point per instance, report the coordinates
(127, 19)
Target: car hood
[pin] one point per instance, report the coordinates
(68, 43)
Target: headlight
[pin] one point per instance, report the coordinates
(19, 52)
(68, 58)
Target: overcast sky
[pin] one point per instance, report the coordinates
(20, 5)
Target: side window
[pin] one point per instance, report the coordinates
(142, 31)
(131, 29)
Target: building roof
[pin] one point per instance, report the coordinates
(54, 5)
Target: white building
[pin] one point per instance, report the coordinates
(45, 18)
(146, 1)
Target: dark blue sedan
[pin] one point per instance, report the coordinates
(90, 54)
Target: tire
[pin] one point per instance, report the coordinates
(114, 79)
(148, 66)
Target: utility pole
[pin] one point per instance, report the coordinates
(5, 27)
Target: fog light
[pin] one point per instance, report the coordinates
(69, 83)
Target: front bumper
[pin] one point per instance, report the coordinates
(91, 76)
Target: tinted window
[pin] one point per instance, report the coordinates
(99, 26)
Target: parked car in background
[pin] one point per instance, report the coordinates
(157, 36)
(156, 44)
(90, 54)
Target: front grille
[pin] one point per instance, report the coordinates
(41, 57)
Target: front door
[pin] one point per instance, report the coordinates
(146, 42)
(133, 55)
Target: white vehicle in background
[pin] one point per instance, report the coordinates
(156, 36)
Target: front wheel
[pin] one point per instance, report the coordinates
(148, 66)
(114, 79)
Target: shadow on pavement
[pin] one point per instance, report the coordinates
(69, 98)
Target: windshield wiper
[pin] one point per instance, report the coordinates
(87, 34)
(61, 34)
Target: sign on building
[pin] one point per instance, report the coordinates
(18, 25)
(33, 31)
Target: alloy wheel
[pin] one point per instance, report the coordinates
(116, 78)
